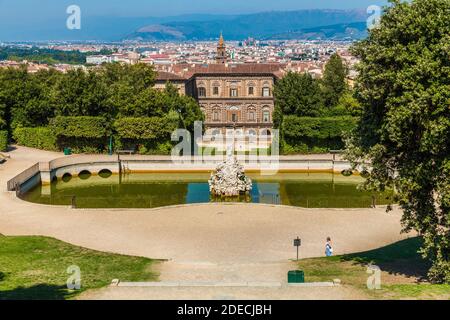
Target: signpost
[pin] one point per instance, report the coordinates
(297, 243)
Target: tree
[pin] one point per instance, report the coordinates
(298, 94)
(334, 80)
(404, 132)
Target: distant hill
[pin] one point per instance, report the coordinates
(335, 24)
(343, 31)
(264, 25)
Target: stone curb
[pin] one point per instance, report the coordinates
(175, 284)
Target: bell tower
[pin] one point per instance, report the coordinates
(221, 56)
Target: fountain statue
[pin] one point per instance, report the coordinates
(229, 179)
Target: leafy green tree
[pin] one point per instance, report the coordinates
(334, 80)
(404, 132)
(298, 94)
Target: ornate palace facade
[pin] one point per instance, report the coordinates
(232, 96)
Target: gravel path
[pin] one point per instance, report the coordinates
(220, 242)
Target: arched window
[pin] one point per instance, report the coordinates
(251, 115)
(216, 116)
(202, 92)
(266, 116)
(265, 133)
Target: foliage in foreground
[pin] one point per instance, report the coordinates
(3, 140)
(404, 132)
(36, 268)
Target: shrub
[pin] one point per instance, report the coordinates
(39, 138)
(81, 134)
(3, 140)
(317, 135)
(80, 127)
(147, 128)
(150, 134)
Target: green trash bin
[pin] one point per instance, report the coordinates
(296, 276)
(67, 151)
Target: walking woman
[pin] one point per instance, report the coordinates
(328, 248)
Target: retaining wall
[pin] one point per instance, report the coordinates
(45, 172)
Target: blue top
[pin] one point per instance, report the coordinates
(328, 250)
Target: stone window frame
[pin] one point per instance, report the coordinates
(265, 111)
(216, 88)
(216, 114)
(251, 88)
(201, 91)
(251, 110)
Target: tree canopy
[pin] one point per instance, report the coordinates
(334, 80)
(78, 98)
(404, 131)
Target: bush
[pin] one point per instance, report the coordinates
(147, 128)
(150, 134)
(314, 135)
(39, 138)
(81, 134)
(80, 127)
(3, 140)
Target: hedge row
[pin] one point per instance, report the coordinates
(150, 128)
(91, 134)
(79, 127)
(317, 128)
(314, 135)
(40, 138)
(3, 140)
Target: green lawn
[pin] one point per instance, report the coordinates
(403, 272)
(35, 268)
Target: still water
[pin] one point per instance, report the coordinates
(309, 190)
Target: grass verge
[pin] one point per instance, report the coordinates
(36, 268)
(403, 272)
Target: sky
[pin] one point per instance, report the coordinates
(46, 19)
(16, 11)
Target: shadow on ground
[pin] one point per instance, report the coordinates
(37, 292)
(400, 258)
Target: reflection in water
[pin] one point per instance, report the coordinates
(163, 189)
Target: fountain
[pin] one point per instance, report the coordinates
(229, 179)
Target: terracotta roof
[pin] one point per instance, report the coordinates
(166, 76)
(246, 68)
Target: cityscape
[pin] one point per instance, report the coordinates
(241, 157)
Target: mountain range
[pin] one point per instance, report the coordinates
(299, 24)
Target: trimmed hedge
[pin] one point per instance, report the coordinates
(316, 135)
(79, 127)
(39, 138)
(148, 128)
(151, 135)
(3, 140)
(81, 134)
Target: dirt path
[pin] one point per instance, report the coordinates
(214, 242)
